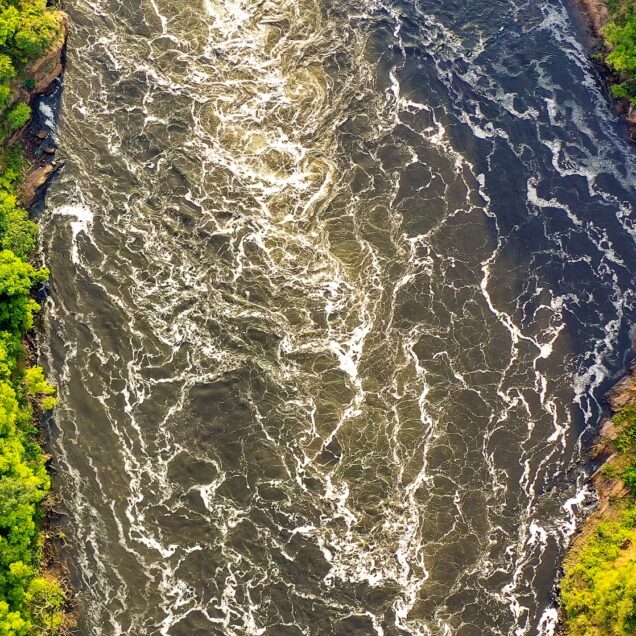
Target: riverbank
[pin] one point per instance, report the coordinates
(598, 590)
(32, 599)
(613, 26)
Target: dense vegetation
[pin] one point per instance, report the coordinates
(30, 602)
(620, 36)
(598, 591)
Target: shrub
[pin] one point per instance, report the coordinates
(7, 71)
(598, 591)
(17, 232)
(9, 24)
(625, 420)
(629, 477)
(27, 29)
(36, 386)
(622, 39)
(36, 28)
(18, 116)
(620, 36)
(21, 234)
(46, 600)
(5, 93)
(619, 90)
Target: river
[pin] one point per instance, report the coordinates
(336, 290)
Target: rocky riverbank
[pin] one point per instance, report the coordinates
(598, 591)
(32, 597)
(39, 146)
(598, 16)
(39, 149)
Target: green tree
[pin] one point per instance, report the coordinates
(622, 39)
(18, 116)
(7, 71)
(30, 604)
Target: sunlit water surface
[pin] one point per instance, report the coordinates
(336, 288)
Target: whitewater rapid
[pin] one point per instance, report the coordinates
(335, 292)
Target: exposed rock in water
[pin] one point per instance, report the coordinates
(35, 180)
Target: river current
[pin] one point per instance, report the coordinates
(336, 290)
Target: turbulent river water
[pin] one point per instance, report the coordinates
(336, 289)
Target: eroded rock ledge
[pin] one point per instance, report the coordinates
(602, 556)
(38, 149)
(609, 488)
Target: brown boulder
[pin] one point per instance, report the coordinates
(33, 181)
(624, 393)
(608, 430)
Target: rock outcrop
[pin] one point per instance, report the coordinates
(609, 487)
(35, 180)
(43, 72)
(597, 13)
(49, 67)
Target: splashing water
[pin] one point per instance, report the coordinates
(335, 290)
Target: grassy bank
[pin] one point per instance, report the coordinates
(598, 591)
(30, 601)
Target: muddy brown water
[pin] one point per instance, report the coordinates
(335, 290)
